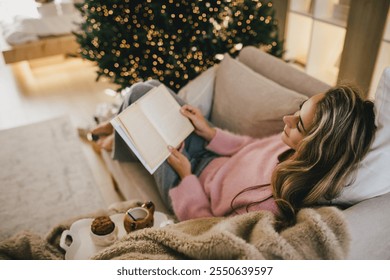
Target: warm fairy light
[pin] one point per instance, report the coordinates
(238, 46)
(171, 42)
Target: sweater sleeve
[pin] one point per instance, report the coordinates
(226, 143)
(189, 200)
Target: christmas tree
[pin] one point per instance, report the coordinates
(172, 41)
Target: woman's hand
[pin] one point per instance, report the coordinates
(179, 163)
(202, 128)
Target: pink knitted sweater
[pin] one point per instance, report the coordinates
(244, 162)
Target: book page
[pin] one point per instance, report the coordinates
(147, 141)
(163, 112)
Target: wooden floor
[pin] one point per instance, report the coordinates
(46, 88)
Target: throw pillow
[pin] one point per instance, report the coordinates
(372, 177)
(199, 92)
(246, 102)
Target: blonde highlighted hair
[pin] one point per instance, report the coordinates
(342, 131)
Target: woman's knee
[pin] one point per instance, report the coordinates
(140, 89)
(153, 82)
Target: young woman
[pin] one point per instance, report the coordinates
(218, 173)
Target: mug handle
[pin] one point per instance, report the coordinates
(64, 235)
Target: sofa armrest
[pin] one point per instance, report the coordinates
(281, 72)
(133, 181)
(369, 225)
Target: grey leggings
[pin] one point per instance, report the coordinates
(165, 177)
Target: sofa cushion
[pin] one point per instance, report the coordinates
(199, 91)
(372, 177)
(280, 72)
(248, 103)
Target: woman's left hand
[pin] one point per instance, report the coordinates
(202, 127)
(179, 163)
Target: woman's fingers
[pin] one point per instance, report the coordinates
(189, 111)
(174, 159)
(202, 127)
(179, 162)
(175, 154)
(181, 147)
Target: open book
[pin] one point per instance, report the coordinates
(152, 123)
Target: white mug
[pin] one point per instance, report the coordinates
(105, 240)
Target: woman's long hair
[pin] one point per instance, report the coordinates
(340, 136)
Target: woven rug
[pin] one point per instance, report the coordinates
(44, 177)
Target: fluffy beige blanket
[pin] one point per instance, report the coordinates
(319, 234)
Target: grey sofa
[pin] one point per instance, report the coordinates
(276, 81)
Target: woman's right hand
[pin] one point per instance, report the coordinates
(179, 163)
(202, 127)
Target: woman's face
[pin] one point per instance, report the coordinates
(297, 125)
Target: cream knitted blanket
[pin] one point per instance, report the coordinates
(319, 234)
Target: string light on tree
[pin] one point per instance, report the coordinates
(172, 41)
